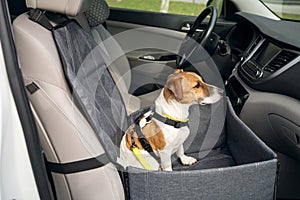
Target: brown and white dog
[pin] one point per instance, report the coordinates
(182, 90)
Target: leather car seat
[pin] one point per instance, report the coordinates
(66, 136)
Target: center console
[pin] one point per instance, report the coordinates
(267, 67)
(267, 61)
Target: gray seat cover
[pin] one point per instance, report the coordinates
(91, 81)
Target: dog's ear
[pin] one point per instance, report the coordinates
(178, 70)
(175, 86)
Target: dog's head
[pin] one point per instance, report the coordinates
(189, 88)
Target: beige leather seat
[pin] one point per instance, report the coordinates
(65, 134)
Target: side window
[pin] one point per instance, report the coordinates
(182, 7)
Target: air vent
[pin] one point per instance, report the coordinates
(280, 60)
(254, 44)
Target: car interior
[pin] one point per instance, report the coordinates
(257, 58)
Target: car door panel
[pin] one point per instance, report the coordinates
(151, 68)
(151, 53)
(151, 41)
(164, 20)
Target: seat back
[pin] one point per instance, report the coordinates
(119, 66)
(93, 85)
(117, 62)
(66, 136)
(97, 14)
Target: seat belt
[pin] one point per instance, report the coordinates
(50, 177)
(78, 166)
(39, 17)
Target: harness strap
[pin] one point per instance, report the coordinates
(136, 152)
(171, 122)
(144, 142)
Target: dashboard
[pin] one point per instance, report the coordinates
(264, 89)
(268, 61)
(271, 67)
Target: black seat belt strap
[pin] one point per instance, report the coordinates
(50, 177)
(39, 17)
(78, 166)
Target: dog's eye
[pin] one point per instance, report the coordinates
(198, 85)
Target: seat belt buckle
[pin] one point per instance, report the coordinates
(145, 144)
(36, 15)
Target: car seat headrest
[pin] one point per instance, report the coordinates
(68, 7)
(97, 13)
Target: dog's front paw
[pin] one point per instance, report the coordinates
(167, 169)
(187, 160)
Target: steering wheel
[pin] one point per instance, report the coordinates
(189, 45)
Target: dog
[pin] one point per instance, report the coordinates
(182, 90)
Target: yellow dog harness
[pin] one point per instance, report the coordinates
(137, 153)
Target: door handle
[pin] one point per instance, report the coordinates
(147, 57)
(186, 27)
(161, 58)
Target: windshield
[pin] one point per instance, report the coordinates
(285, 9)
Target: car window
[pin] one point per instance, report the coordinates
(285, 9)
(183, 7)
